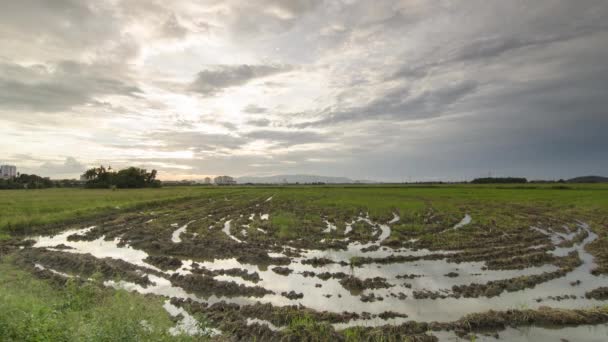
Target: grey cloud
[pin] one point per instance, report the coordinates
(229, 125)
(518, 88)
(68, 168)
(172, 28)
(204, 144)
(535, 25)
(197, 141)
(218, 78)
(486, 48)
(253, 109)
(295, 7)
(287, 138)
(64, 27)
(400, 104)
(259, 122)
(60, 87)
(248, 18)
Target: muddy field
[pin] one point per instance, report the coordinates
(264, 265)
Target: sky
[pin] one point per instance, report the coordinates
(385, 90)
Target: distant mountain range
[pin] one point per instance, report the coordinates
(588, 179)
(302, 179)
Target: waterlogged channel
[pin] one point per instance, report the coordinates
(316, 279)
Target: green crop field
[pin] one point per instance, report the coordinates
(42, 306)
(23, 211)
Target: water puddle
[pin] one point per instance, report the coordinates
(226, 231)
(588, 333)
(176, 237)
(188, 325)
(322, 290)
(330, 227)
(65, 275)
(465, 221)
(251, 321)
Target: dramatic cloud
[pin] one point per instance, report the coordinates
(58, 87)
(399, 105)
(388, 90)
(214, 80)
(69, 167)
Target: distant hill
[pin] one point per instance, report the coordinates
(588, 179)
(496, 180)
(292, 179)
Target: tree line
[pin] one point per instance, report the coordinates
(97, 178)
(25, 181)
(132, 177)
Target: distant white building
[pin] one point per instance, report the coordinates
(207, 180)
(8, 171)
(224, 180)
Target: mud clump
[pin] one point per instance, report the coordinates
(371, 248)
(426, 294)
(82, 237)
(393, 259)
(370, 298)
(308, 274)
(62, 247)
(391, 314)
(85, 265)
(234, 272)
(164, 262)
(510, 257)
(601, 293)
(282, 270)
(544, 316)
(263, 260)
(207, 286)
(318, 262)
(10, 245)
(599, 249)
(292, 295)
(409, 276)
(356, 285)
(327, 275)
(232, 317)
(497, 287)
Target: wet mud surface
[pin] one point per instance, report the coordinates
(351, 273)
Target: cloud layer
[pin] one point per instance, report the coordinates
(389, 90)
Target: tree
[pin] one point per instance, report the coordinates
(131, 177)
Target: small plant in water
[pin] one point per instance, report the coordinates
(355, 261)
(306, 328)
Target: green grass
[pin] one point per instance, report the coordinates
(306, 328)
(285, 223)
(33, 310)
(21, 209)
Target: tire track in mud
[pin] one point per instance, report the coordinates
(359, 263)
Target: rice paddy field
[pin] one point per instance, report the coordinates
(316, 263)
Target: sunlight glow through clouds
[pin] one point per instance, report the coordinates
(378, 89)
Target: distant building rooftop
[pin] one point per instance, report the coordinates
(8, 171)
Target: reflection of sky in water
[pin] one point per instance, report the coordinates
(587, 333)
(432, 278)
